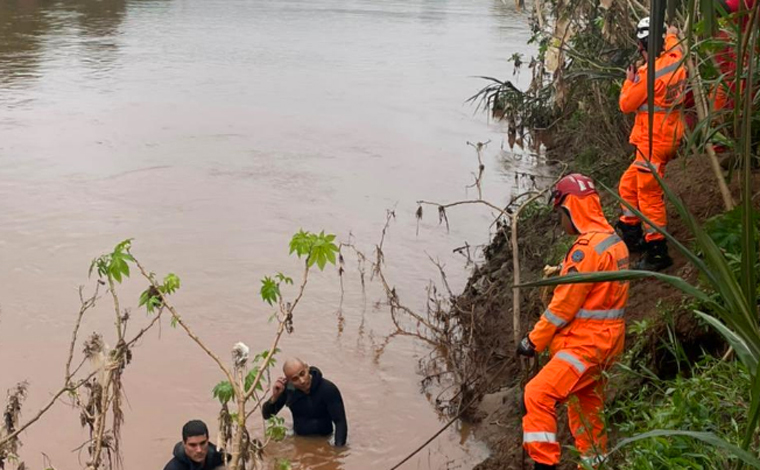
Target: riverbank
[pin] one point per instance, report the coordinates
(676, 371)
(651, 302)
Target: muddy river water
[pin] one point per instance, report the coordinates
(211, 131)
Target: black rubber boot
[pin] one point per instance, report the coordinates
(632, 235)
(656, 257)
(543, 466)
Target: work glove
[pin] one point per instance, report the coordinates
(526, 348)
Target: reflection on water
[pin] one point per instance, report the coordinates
(32, 29)
(211, 131)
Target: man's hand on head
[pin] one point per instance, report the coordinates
(278, 388)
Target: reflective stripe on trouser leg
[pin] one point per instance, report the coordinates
(585, 417)
(553, 384)
(628, 192)
(651, 204)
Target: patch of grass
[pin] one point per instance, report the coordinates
(712, 399)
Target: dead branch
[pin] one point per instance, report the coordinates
(481, 168)
(68, 386)
(6, 439)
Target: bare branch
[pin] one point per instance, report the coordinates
(181, 323)
(481, 168)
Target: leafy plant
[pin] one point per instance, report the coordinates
(223, 392)
(270, 287)
(710, 400)
(115, 265)
(317, 248)
(726, 230)
(276, 429)
(151, 297)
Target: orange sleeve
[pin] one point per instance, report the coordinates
(634, 93)
(673, 45)
(567, 298)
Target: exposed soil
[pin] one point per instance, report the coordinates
(486, 305)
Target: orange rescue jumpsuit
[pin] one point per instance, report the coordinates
(584, 329)
(638, 186)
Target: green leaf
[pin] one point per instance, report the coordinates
(744, 353)
(270, 290)
(223, 391)
(301, 243)
(250, 377)
(171, 284)
(283, 278)
(276, 429)
(624, 275)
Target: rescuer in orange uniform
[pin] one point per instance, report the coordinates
(638, 186)
(584, 329)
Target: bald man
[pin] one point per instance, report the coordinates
(315, 402)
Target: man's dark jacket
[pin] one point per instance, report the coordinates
(214, 459)
(315, 412)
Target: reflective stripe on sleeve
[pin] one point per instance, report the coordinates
(554, 319)
(667, 69)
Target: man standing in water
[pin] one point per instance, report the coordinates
(584, 330)
(195, 452)
(315, 402)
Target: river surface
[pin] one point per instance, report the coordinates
(210, 131)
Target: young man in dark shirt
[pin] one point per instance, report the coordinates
(315, 402)
(195, 452)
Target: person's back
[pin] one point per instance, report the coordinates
(195, 452)
(669, 88)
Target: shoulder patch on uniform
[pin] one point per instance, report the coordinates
(577, 256)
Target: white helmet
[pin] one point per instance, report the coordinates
(642, 29)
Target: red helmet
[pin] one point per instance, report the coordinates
(575, 184)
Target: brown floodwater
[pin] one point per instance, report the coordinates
(211, 131)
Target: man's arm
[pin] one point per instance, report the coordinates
(567, 298)
(269, 408)
(338, 415)
(673, 42)
(634, 92)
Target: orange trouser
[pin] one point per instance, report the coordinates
(639, 188)
(580, 385)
